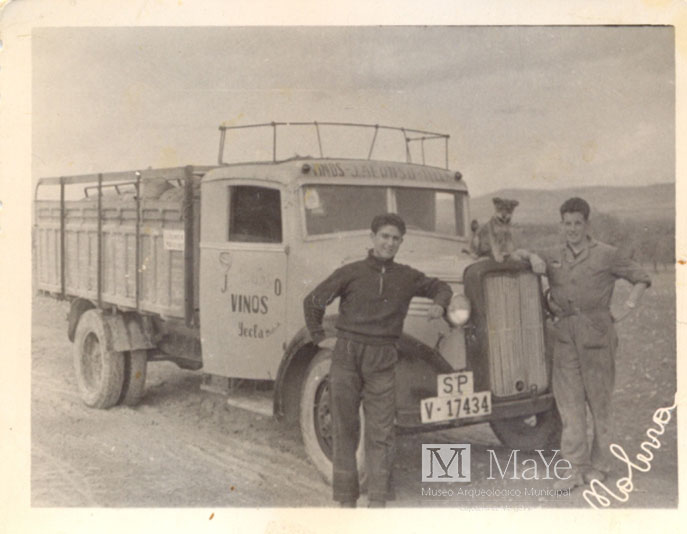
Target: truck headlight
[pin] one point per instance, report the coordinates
(459, 310)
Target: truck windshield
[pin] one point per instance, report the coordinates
(343, 208)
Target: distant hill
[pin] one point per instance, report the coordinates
(539, 206)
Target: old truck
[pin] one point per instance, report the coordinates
(207, 267)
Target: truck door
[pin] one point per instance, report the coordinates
(242, 286)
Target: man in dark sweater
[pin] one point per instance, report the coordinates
(374, 297)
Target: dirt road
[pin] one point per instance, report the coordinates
(185, 447)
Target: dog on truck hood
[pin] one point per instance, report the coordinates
(494, 239)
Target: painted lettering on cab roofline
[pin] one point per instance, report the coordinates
(328, 169)
(249, 303)
(336, 170)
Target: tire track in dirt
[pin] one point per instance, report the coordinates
(246, 463)
(63, 479)
(258, 463)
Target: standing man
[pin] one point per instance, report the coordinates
(374, 297)
(582, 275)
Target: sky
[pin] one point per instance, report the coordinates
(525, 106)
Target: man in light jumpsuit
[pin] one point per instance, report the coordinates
(582, 275)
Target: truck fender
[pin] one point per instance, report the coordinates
(416, 377)
(124, 331)
(297, 356)
(416, 370)
(128, 331)
(77, 309)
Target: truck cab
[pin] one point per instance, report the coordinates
(257, 237)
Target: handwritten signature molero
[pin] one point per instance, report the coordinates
(624, 485)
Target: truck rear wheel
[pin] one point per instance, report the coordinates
(99, 371)
(315, 418)
(135, 365)
(537, 431)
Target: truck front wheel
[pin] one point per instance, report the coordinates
(99, 371)
(537, 431)
(316, 419)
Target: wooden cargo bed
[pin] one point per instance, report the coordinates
(118, 249)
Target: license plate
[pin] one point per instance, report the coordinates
(448, 408)
(453, 384)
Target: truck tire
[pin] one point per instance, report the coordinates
(135, 365)
(537, 431)
(315, 419)
(99, 371)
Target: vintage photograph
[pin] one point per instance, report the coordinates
(354, 266)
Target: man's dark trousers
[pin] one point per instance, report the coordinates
(366, 372)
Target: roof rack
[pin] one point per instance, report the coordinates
(409, 136)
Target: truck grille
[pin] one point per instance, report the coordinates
(515, 333)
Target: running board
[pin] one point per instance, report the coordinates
(259, 406)
(248, 395)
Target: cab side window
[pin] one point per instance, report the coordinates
(254, 214)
